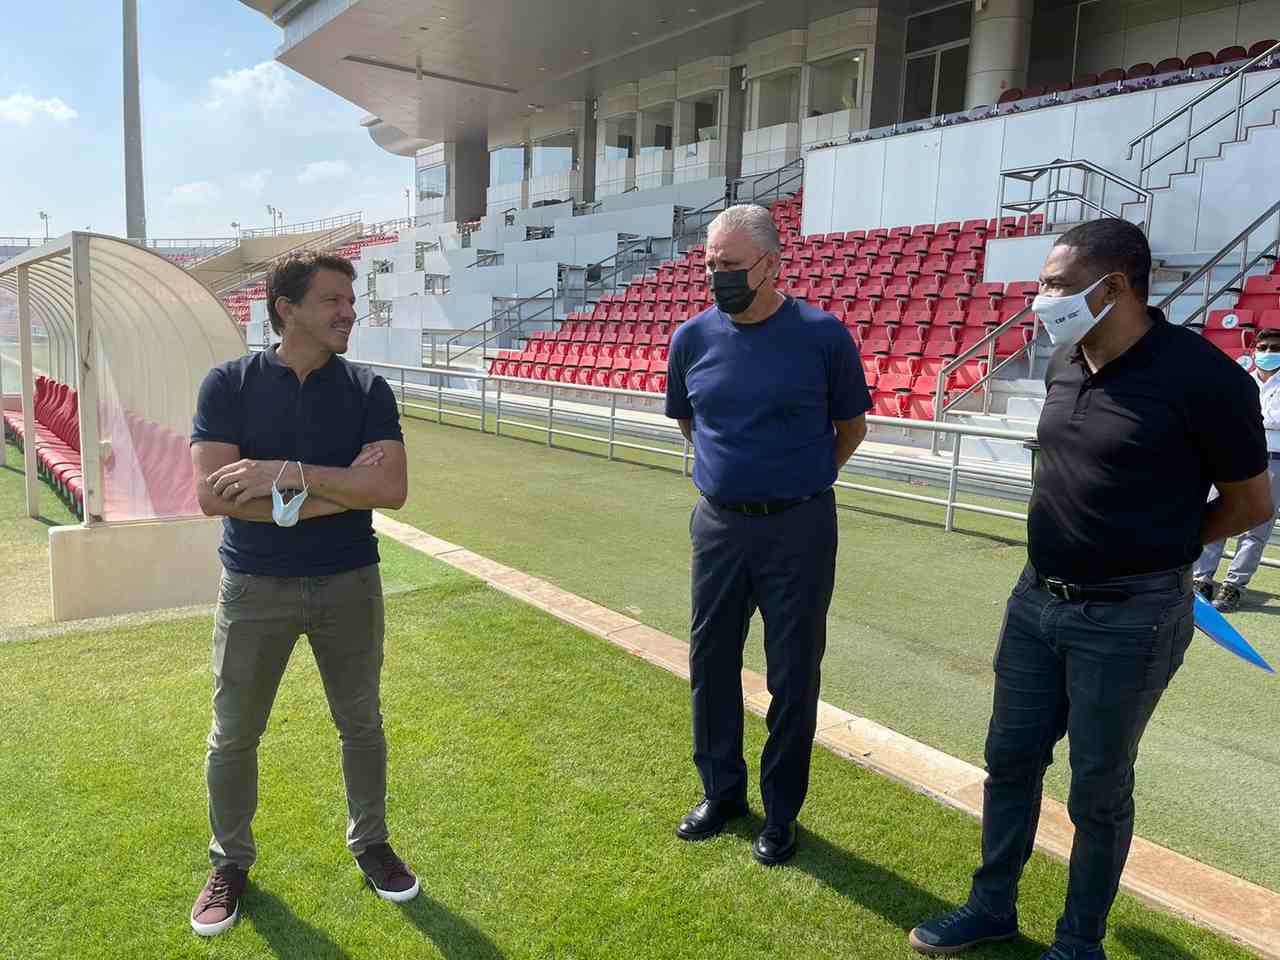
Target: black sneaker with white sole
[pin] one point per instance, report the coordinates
(389, 876)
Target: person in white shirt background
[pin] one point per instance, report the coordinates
(1226, 598)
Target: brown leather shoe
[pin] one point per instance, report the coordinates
(218, 906)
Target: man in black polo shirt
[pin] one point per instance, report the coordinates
(294, 447)
(771, 393)
(1140, 418)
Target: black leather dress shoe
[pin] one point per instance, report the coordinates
(775, 845)
(707, 819)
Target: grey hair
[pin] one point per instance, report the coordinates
(753, 220)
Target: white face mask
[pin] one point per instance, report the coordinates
(286, 514)
(1069, 318)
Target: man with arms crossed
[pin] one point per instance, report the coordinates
(770, 391)
(1140, 417)
(294, 447)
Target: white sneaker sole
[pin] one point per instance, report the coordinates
(213, 929)
(397, 896)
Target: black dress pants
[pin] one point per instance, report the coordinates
(784, 565)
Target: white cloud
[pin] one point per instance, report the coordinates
(201, 193)
(23, 108)
(266, 86)
(254, 183)
(320, 170)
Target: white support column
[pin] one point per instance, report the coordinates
(28, 394)
(999, 45)
(86, 379)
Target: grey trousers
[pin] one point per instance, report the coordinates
(1249, 546)
(257, 623)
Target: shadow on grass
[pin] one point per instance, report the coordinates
(1148, 945)
(453, 936)
(895, 899)
(287, 935)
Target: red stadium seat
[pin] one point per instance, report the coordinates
(1202, 59)
(1230, 54)
(1229, 319)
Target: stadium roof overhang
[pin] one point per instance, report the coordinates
(443, 70)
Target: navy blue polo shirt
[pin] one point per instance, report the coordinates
(257, 403)
(762, 398)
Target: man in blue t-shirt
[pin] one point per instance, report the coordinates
(770, 392)
(294, 447)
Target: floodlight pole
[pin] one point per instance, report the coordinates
(134, 199)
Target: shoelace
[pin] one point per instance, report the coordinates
(963, 913)
(219, 891)
(393, 866)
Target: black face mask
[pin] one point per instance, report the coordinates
(733, 291)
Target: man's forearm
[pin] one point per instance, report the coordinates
(1222, 519)
(356, 488)
(259, 511)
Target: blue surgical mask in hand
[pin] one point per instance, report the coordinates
(286, 514)
(1267, 360)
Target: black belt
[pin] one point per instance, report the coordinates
(1120, 588)
(763, 508)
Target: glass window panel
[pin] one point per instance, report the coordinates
(941, 26)
(433, 182)
(917, 99)
(779, 99)
(952, 74)
(506, 165)
(835, 84)
(555, 156)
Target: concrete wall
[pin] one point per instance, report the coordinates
(1120, 33)
(172, 563)
(952, 173)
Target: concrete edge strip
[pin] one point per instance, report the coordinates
(1237, 909)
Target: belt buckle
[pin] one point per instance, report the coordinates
(755, 509)
(1061, 589)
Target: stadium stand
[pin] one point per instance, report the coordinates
(1110, 82)
(910, 296)
(238, 302)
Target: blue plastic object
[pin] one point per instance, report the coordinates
(1215, 626)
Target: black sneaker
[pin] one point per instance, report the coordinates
(218, 906)
(1205, 587)
(390, 878)
(1228, 600)
(1060, 951)
(959, 930)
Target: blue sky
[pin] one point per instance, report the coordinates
(226, 130)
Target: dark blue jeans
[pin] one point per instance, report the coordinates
(785, 565)
(1093, 670)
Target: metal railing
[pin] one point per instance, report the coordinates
(453, 350)
(621, 260)
(309, 226)
(1269, 252)
(247, 275)
(495, 405)
(783, 177)
(1056, 195)
(1145, 144)
(942, 404)
(485, 258)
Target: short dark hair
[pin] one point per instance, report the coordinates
(1112, 245)
(1268, 333)
(291, 279)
